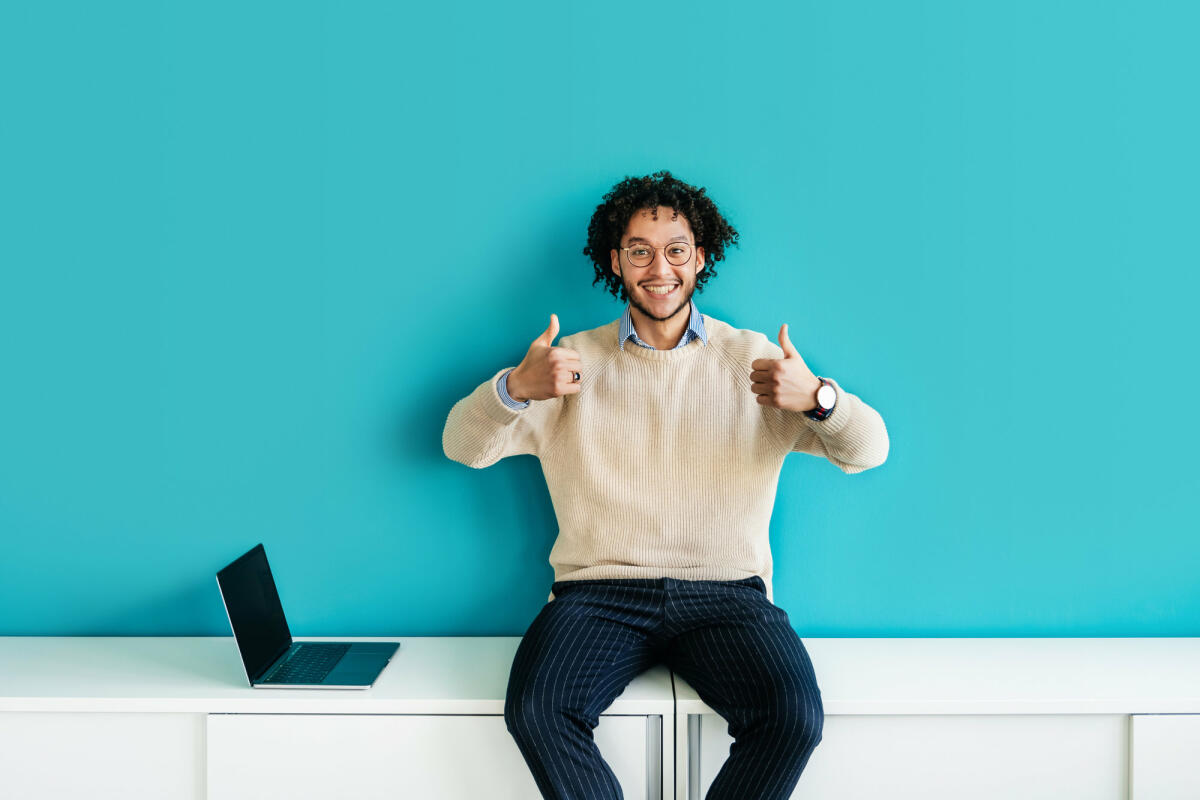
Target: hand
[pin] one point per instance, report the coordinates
(786, 382)
(546, 371)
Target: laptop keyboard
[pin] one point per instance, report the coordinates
(310, 664)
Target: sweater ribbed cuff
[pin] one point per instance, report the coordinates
(843, 410)
(493, 404)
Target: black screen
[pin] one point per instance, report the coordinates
(254, 610)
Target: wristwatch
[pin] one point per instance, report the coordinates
(826, 399)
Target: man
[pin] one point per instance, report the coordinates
(661, 436)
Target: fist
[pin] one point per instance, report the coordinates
(546, 371)
(786, 382)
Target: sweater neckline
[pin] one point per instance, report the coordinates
(675, 354)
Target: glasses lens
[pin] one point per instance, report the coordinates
(678, 253)
(640, 255)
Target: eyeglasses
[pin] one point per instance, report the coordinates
(641, 255)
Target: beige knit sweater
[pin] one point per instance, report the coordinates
(663, 464)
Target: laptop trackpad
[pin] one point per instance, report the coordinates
(356, 669)
(367, 661)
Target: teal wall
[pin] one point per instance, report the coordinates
(250, 256)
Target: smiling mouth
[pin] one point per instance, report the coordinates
(662, 291)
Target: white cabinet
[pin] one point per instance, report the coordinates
(983, 757)
(1165, 757)
(984, 718)
(373, 757)
(101, 755)
(172, 718)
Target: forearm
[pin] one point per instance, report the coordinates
(482, 428)
(853, 437)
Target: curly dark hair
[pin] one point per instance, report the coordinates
(632, 195)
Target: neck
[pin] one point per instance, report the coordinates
(661, 334)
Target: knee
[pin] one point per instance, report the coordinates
(526, 710)
(522, 712)
(798, 711)
(810, 726)
(528, 713)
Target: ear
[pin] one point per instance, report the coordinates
(699, 259)
(616, 261)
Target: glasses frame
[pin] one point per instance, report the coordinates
(655, 250)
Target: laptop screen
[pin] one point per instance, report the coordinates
(254, 609)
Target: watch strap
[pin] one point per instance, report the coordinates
(820, 413)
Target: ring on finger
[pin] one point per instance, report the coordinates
(574, 377)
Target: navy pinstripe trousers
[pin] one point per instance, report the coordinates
(735, 647)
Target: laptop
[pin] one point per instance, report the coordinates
(272, 660)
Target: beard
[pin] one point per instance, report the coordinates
(685, 300)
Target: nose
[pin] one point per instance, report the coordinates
(660, 267)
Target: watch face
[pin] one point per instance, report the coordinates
(826, 396)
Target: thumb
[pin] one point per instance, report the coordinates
(547, 337)
(786, 343)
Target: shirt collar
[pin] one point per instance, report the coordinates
(695, 328)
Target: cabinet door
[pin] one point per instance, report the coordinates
(56, 755)
(1163, 756)
(389, 756)
(920, 757)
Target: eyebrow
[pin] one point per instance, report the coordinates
(633, 239)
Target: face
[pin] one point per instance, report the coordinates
(662, 289)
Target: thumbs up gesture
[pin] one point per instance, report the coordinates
(546, 371)
(786, 382)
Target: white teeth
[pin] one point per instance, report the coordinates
(660, 289)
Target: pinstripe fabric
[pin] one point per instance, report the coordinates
(625, 331)
(725, 638)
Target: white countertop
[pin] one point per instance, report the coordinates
(427, 675)
(469, 675)
(1000, 676)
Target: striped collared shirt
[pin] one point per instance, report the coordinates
(626, 331)
(695, 329)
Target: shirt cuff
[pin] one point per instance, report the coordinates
(502, 387)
